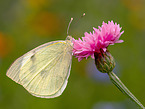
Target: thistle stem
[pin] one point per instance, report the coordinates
(118, 83)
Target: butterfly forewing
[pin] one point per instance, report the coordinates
(44, 72)
(14, 70)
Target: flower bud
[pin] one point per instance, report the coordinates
(104, 61)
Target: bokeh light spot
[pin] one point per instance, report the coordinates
(47, 24)
(96, 75)
(134, 5)
(6, 45)
(37, 3)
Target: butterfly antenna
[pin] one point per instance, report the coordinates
(75, 23)
(80, 18)
(69, 25)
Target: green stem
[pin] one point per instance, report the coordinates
(118, 83)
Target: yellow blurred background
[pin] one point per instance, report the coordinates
(26, 24)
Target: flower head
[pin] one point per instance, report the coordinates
(100, 39)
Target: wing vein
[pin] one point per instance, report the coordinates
(43, 76)
(37, 72)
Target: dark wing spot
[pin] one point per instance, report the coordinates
(33, 58)
(32, 68)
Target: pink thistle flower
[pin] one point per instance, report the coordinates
(100, 39)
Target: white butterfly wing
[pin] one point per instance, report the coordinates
(14, 70)
(44, 71)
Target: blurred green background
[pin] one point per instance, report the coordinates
(26, 24)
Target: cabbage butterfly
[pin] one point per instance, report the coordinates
(44, 71)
